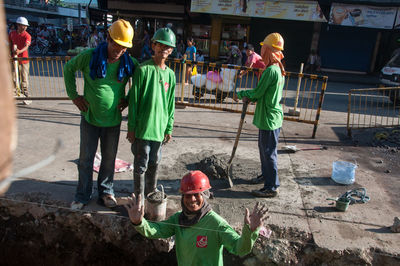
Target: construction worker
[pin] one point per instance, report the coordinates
(268, 116)
(200, 233)
(151, 111)
(20, 40)
(106, 70)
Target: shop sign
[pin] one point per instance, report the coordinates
(362, 16)
(289, 9)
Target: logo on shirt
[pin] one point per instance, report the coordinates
(201, 242)
(166, 86)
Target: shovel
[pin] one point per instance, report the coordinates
(228, 171)
(293, 148)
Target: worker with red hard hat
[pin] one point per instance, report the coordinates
(200, 233)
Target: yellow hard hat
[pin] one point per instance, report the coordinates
(274, 40)
(121, 32)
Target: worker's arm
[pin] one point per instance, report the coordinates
(77, 63)
(242, 245)
(148, 229)
(267, 78)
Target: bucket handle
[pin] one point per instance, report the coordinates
(162, 191)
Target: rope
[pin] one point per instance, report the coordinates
(359, 193)
(271, 238)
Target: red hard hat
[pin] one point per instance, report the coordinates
(194, 182)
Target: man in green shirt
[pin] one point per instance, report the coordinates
(106, 70)
(268, 116)
(151, 111)
(200, 233)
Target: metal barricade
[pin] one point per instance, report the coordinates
(214, 87)
(46, 79)
(373, 108)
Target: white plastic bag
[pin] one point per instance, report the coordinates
(198, 80)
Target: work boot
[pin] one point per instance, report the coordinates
(109, 201)
(150, 179)
(76, 205)
(138, 185)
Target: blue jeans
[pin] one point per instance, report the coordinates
(268, 147)
(109, 138)
(147, 157)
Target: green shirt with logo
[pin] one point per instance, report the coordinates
(152, 102)
(102, 94)
(202, 243)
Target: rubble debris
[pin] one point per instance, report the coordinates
(395, 228)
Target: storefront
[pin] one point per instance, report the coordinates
(242, 22)
(352, 39)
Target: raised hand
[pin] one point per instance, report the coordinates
(135, 209)
(257, 217)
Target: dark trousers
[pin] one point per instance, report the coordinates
(268, 147)
(90, 136)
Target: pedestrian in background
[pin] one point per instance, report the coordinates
(190, 55)
(200, 233)
(234, 55)
(93, 39)
(254, 60)
(268, 116)
(20, 40)
(145, 53)
(200, 56)
(151, 112)
(106, 70)
(313, 62)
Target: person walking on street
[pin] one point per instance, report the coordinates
(190, 55)
(20, 40)
(106, 70)
(200, 233)
(268, 116)
(151, 111)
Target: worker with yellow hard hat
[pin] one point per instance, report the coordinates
(268, 116)
(106, 69)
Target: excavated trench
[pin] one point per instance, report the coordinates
(36, 230)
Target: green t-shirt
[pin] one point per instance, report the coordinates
(267, 94)
(202, 243)
(152, 102)
(102, 94)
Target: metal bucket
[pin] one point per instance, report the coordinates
(341, 203)
(156, 205)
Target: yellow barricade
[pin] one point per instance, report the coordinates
(373, 108)
(214, 87)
